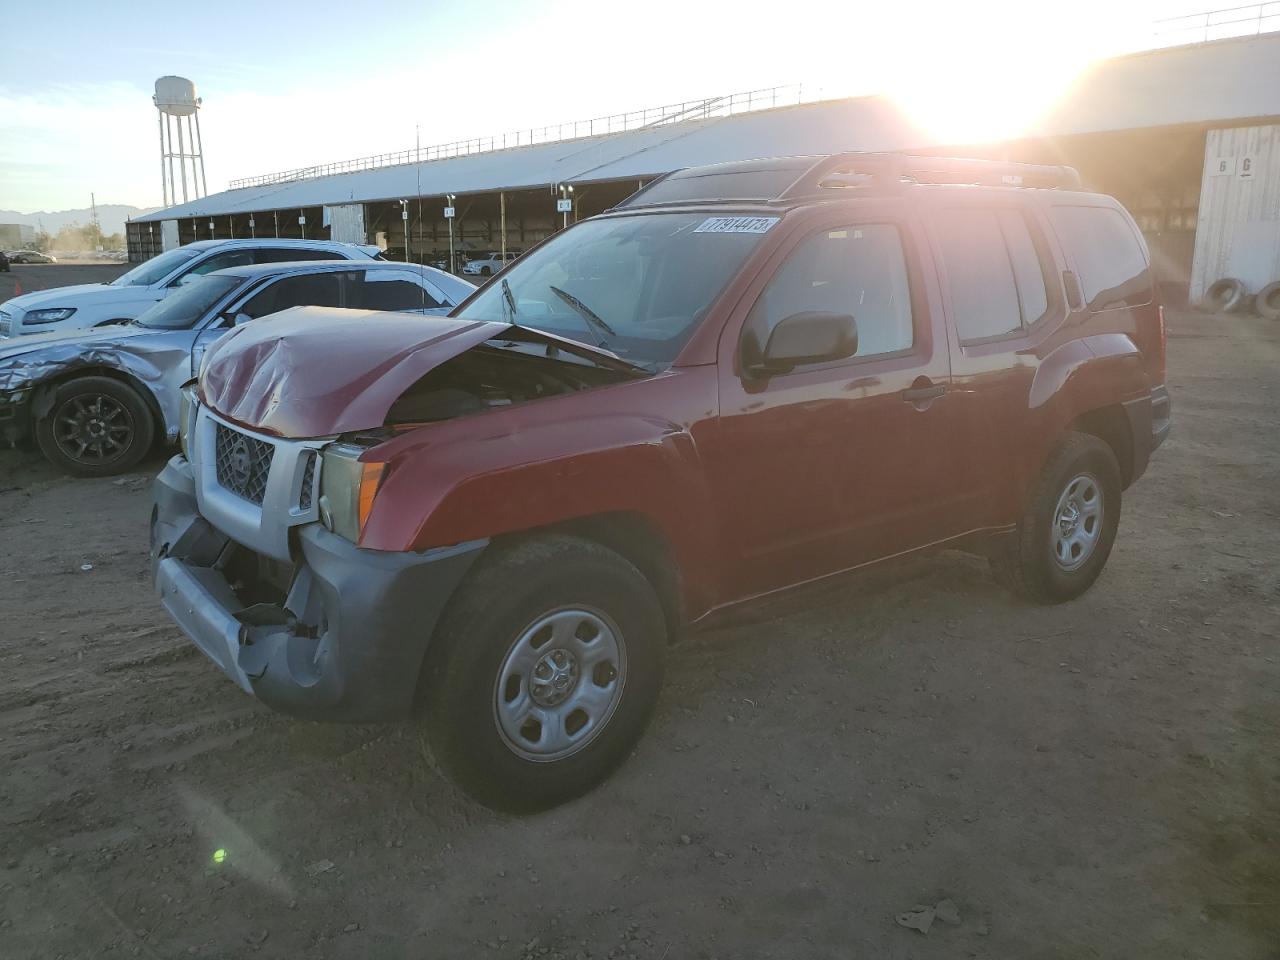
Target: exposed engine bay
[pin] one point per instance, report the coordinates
(497, 374)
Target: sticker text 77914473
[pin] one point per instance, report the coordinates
(736, 225)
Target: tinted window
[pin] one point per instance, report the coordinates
(1109, 258)
(219, 261)
(984, 296)
(310, 290)
(388, 290)
(859, 270)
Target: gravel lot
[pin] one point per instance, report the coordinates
(1095, 780)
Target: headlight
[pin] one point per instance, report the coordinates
(48, 316)
(188, 407)
(347, 489)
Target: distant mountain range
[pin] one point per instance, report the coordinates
(110, 215)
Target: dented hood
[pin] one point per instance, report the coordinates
(320, 371)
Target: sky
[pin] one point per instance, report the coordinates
(288, 84)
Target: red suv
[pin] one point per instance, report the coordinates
(744, 378)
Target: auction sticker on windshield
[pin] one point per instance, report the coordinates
(736, 225)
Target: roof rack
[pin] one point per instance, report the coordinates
(893, 169)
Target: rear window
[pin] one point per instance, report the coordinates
(1111, 263)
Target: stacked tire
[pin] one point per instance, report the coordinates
(1229, 295)
(1267, 302)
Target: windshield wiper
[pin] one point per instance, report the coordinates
(508, 298)
(585, 312)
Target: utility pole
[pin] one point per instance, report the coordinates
(93, 222)
(448, 214)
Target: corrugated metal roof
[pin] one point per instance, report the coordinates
(1220, 81)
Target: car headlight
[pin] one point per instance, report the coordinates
(347, 489)
(188, 407)
(48, 316)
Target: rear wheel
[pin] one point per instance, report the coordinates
(1065, 535)
(96, 427)
(543, 673)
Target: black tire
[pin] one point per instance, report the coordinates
(96, 427)
(1223, 296)
(1025, 560)
(486, 623)
(1267, 303)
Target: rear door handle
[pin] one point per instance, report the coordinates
(919, 394)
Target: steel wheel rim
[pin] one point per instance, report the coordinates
(1077, 522)
(560, 684)
(93, 428)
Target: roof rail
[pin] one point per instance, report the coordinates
(893, 169)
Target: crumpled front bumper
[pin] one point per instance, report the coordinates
(15, 415)
(348, 641)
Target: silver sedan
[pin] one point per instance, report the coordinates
(97, 400)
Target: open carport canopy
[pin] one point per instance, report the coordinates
(1223, 81)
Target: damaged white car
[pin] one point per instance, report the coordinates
(97, 400)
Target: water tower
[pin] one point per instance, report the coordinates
(176, 103)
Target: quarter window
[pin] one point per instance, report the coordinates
(859, 270)
(994, 273)
(1111, 262)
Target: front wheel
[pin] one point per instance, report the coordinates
(97, 427)
(543, 672)
(1066, 532)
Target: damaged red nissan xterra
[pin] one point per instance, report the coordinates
(744, 378)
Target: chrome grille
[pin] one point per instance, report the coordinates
(242, 463)
(308, 480)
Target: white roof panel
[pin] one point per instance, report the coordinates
(1219, 82)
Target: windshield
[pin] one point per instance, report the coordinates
(637, 285)
(184, 307)
(157, 268)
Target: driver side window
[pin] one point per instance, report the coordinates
(219, 261)
(858, 270)
(307, 290)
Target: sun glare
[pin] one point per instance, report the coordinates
(988, 80)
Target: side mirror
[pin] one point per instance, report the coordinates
(813, 336)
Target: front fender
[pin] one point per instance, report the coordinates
(487, 482)
(157, 374)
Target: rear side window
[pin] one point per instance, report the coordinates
(389, 290)
(994, 273)
(1110, 260)
(859, 270)
(287, 255)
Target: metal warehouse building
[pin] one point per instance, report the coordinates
(1188, 138)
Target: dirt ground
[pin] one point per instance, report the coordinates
(1095, 780)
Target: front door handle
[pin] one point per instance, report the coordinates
(924, 394)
